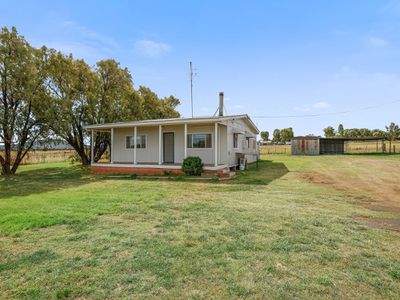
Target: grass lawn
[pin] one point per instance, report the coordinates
(296, 227)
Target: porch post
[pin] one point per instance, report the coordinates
(134, 144)
(92, 148)
(159, 144)
(185, 141)
(112, 145)
(216, 143)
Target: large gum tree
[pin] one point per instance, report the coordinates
(22, 98)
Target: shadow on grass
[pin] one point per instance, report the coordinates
(266, 172)
(41, 180)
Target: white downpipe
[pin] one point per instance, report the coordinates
(92, 148)
(134, 144)
(112, 145)
(216, 144)
(159, 144)
(185, 141)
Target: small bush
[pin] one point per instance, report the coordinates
(192, 165)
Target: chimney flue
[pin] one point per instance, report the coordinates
(221, 104)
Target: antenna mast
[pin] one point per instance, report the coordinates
(191, 85)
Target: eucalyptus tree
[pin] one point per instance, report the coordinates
(392, 133)
(115, 100)
(81, 95)
(72, 89)
(22, 98)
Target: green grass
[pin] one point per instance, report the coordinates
(65, 233)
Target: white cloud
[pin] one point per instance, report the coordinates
(80, 41)
(90, 36)
(377, 42)
(151, 48)
(392, 7)
(321, 105)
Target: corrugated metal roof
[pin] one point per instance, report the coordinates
(173, 121)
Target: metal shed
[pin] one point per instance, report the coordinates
(315, 145)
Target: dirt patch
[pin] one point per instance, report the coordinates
(381, 223)
(373, 183)
(317, 178)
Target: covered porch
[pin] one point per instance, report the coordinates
(157, 149)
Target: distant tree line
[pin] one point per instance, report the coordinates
(392, 132)
(279, 135)
(47, 93)
(285, 135)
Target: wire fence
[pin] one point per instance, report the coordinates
(353, 147)
(39, 156)
(275, 149)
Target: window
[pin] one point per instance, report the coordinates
(247, 143)
(199, 140)
(235, 140)
(140, 142)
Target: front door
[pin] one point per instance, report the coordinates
(168, 147)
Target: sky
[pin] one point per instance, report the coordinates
(272, 59)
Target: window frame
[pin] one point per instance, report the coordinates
(199, 133)
(237, 140)
(133, 146)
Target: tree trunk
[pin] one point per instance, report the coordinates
(84, 158)
(6, 160)
(100, 147)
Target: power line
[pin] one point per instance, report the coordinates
(325, 114)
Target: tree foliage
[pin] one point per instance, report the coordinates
(22, 98)
(276, 136)
(392, 133)
(44, 89)
(81, 95)
(264, 135)
(340, 130)
(357, 132)
(329, 132)
(286, 134)
(72, 87)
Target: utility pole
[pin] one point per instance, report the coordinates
(191, 85)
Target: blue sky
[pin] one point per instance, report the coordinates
(271, 58)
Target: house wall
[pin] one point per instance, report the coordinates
(150, 153)
(233, 154)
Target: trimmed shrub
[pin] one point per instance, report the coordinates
(192, 165)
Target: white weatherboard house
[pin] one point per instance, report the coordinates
(159, 146)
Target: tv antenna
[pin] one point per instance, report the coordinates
(192, 72)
